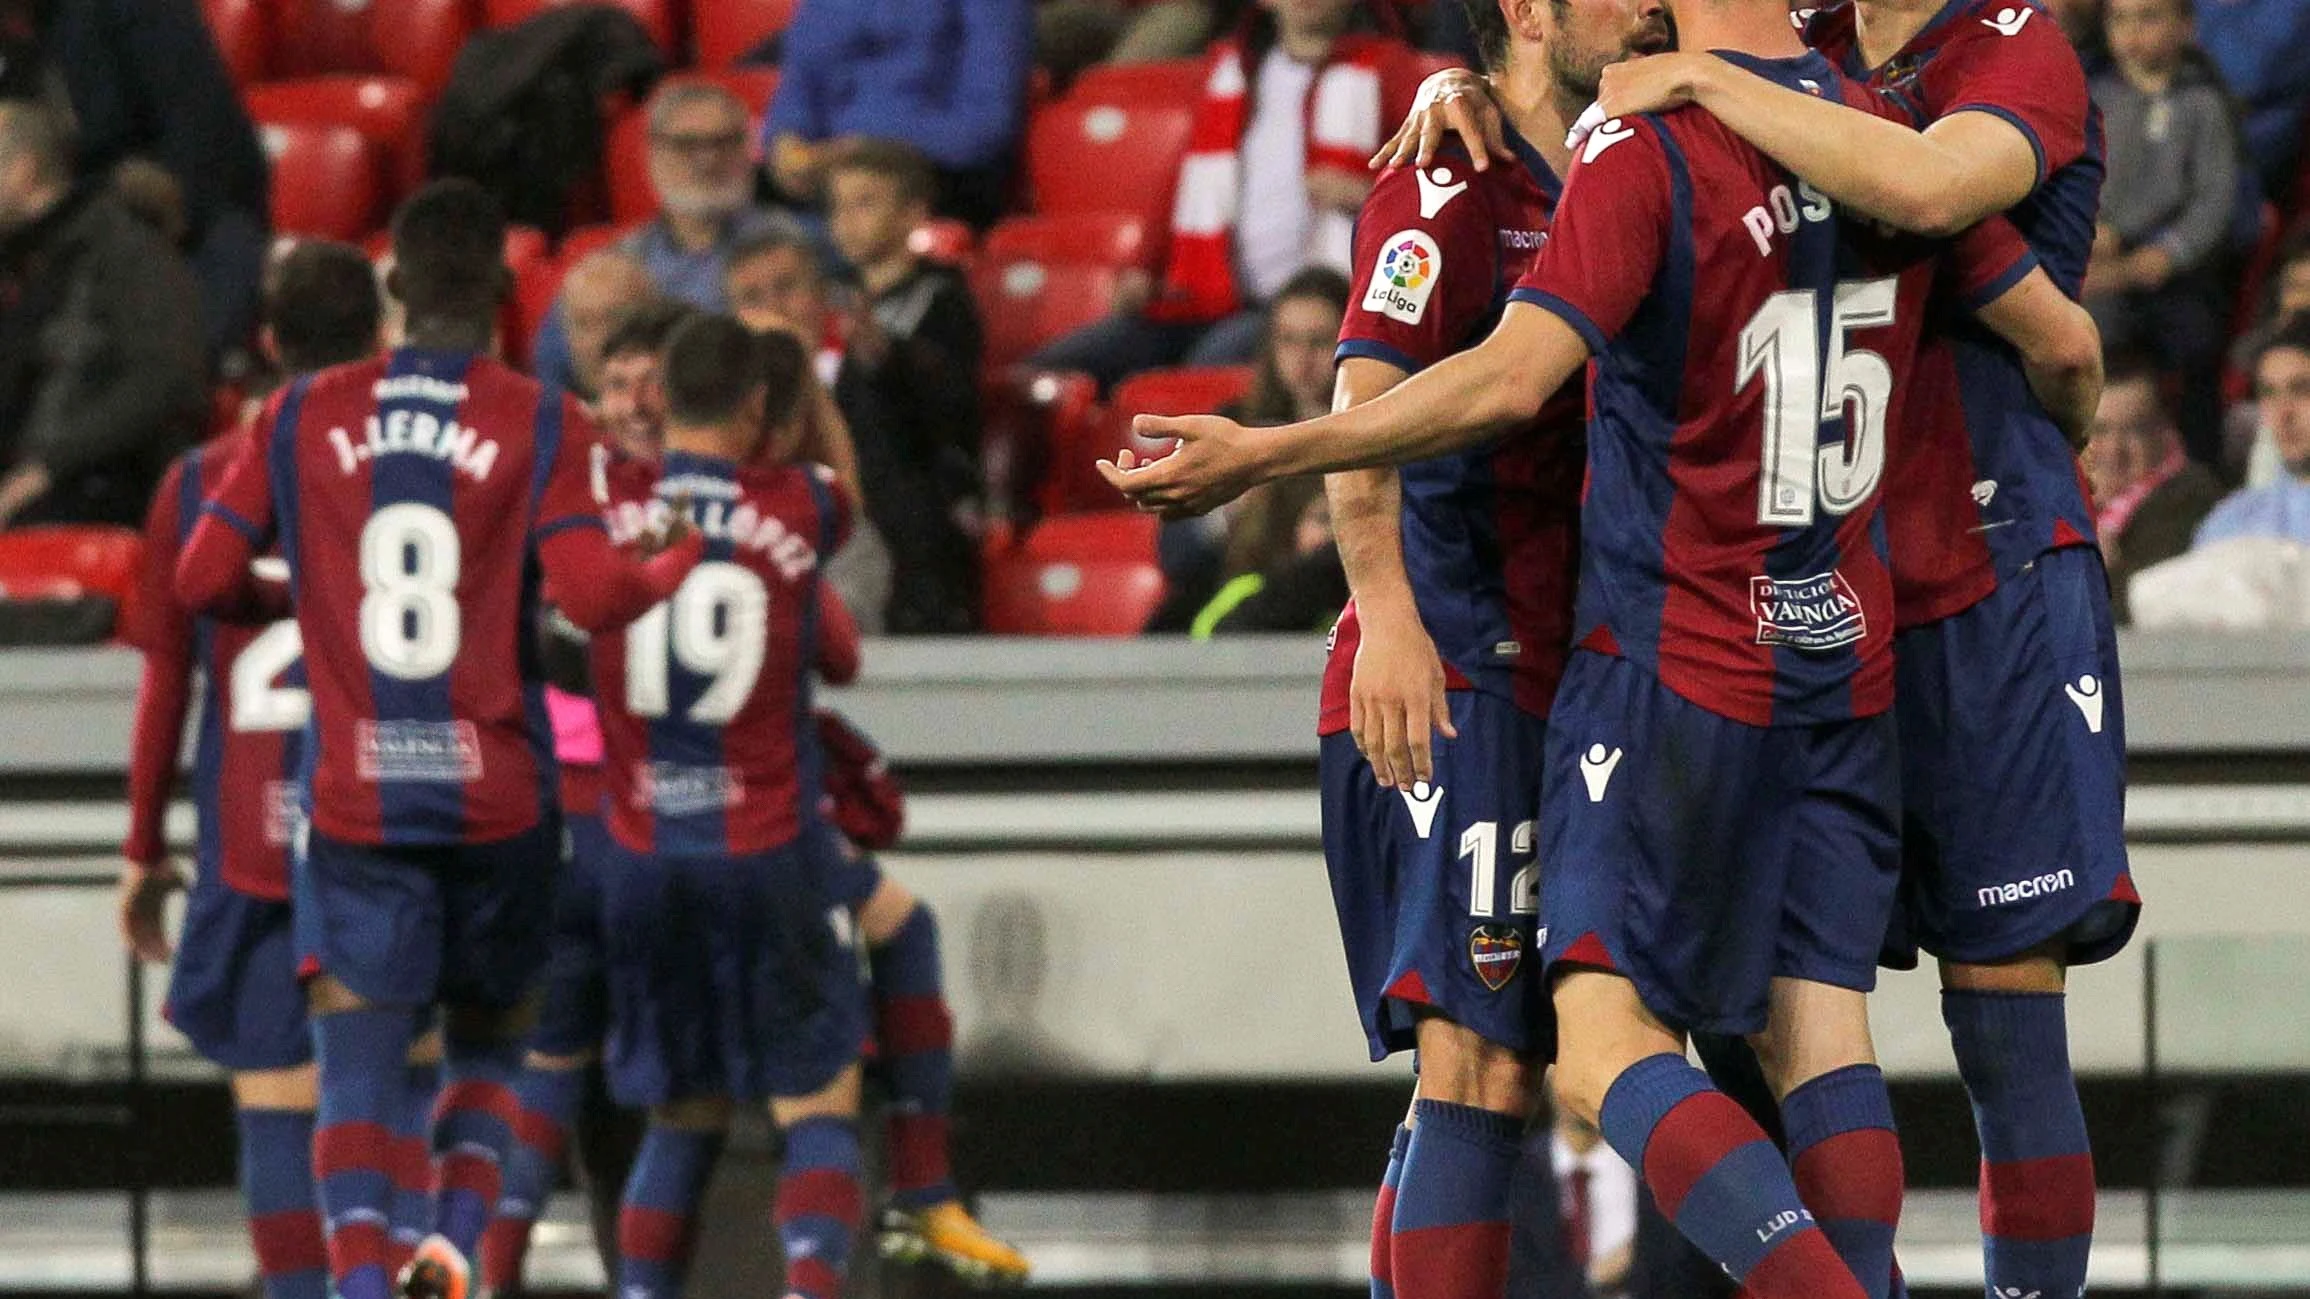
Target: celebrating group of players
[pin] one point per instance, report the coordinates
(395, 871)
(1670, 705)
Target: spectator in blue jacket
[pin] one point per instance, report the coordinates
(948, 77)
(2281, 508)
(2258, 45)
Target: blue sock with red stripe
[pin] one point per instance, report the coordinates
(361, 1054)
(1847, 1161)
(284, 1213)
(915, 1034)
(818, 1205)
(413, 1161)
(1384, 1216)
(1449, 1239)
(2037, 1183)
(472, 1128)
(548, 1100)
(1715, 1174)
(657, 1216)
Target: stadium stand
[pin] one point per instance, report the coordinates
(328, 179)
(725, 31)
(662, 19)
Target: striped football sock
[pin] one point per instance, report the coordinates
(361, 1054)
(915, 1033)
(818, 1205)
(1847, 1161)
(284, 1213)
(660, 1209)
(2037, 1183)
(1449, 1239)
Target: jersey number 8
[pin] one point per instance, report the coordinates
(1783, 343)
(715, 626)
(410, 559)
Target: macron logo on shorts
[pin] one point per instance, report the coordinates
(1997, 895)
(1596, 768)
(2086, 693)
(1422, 800)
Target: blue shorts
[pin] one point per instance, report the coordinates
(419, 924)
(234, 991)
(1703, 857)
(2013, 765)
(855, 873)
(728, 976)
(575, 1015)
(1436, 896)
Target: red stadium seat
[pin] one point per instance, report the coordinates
(1162, 81)
(1037, 422)
(943, 240)
(389, 111)
(726, 29)
(756, 85)
(1117, 239)
(626, 168)
(242, 36)
(327, 180)
(65, 562)
(418, 39)
(657, 17)
(586, 239)
(1113, 143)
(534, 288)
(1429, 62)
(1026, 302)
(1188, 390)
(1079, 575)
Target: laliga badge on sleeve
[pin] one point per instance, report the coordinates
(1405, 275)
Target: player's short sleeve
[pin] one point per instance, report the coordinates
(1609, 233)
(576, 484)
(157, 622)
(2015, 64)
(1987, 260)
(242, 498)
(1426, 259)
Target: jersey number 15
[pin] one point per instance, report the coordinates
(1783, 343)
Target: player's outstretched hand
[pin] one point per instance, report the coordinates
(1396, 701)
(1453, 101)
(678, 528)
(1654, 84)
(144, 908)
(1215, 463)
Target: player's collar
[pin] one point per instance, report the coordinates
(1914, 47)
(1542, 174)
(1810, 64)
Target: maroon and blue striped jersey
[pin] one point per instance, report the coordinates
(250, 734)
(415, 497)
(1490, 535)
(1749, 348)
(1982, 481)
(708, 742)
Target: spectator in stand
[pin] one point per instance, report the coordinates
(704, 181)
(2259, 46)
(2155, 283)
(2281, 508)
(1261, 533)
(595, 295)
(2151, 496)
(2081, 22)
(2286, 299)
(909, 385)
(1071, 35)
(101, 373)
(948, 77)
(1291, 112)
(144, 79)
(776, 283)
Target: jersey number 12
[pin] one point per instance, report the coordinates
(1783, 344)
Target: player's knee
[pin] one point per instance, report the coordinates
(837, 1099)
(543, 1063)
(1603, 1027)
(693, 1114)
(2041, 969)
(886, 912)
(296, 1088)
(1461, 1066)
(1813, 1029)
(324, 995)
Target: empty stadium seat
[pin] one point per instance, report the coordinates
(1078, 238)
(327, 179)
(418, 39)
(1113, 143)
(657, 17)
(1035, 422)
(1079, 575)
(1187, 390)
(724, 30)
(1026, 302)
(389, 111)
(242, 35)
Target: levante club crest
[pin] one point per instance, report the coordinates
(1497, 951)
